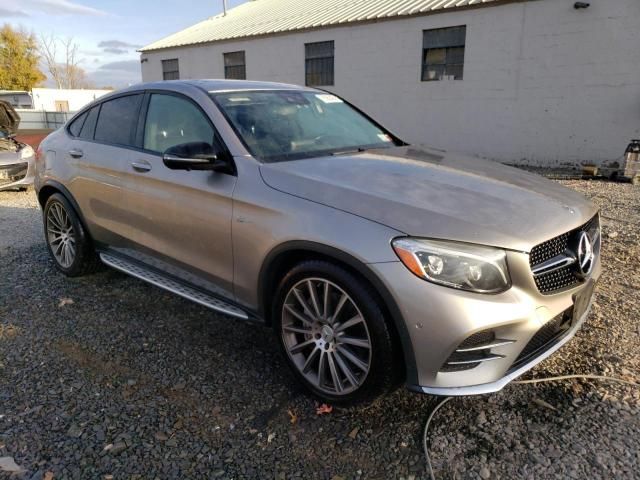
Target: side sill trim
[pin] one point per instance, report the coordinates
(501, 383)
(172, 286)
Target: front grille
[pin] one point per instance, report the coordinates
(554, 281)
(13, 173)
(545, 337)
(549, 249)
(564, 277)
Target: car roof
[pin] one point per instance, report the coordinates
(206, 85)
(213, 85)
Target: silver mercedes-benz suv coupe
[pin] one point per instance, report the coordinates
(376, 262)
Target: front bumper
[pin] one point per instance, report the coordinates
(491, 387)
(439, 319)
(17, 175)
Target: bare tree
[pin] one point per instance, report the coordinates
(68, 73)
(48, 50)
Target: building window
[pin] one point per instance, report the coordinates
(443, 53)
(318, 66)
(234, 66)
(170, 70)
(62, 105)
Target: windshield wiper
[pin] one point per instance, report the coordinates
(348, 151)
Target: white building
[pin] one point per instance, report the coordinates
(528, 81)
(51, 99)
(63, 100)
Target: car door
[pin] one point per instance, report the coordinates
(97, 154)
(180, 220)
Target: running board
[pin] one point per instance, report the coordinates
(165, 282)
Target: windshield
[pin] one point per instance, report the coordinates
(286, 125)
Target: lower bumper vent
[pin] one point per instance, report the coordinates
(545, 337)
(473, 351)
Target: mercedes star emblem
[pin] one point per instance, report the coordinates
(585, 255)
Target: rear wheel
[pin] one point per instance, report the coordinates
(334, 334)
(67, 241)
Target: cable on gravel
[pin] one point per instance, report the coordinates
(444, 400)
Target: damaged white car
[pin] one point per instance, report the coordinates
(17, 159)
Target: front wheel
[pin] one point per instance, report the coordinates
(334, 334)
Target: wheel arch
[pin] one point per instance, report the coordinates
(283, 257)
(51, 187)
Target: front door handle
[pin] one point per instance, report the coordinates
(75, 153)
(141, 166)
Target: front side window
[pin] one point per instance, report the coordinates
(286, 125)
(234, 66)
(318, 64)
(173, 120)
(117, 120)
(170, 69)
(443, 53)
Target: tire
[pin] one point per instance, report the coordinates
(63, 226)
(317, 335)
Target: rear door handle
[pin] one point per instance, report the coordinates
(75, 153)
(141, 166)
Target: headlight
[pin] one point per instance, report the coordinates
(457, 265)
(26, 152)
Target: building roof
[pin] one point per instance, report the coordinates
(264, 17)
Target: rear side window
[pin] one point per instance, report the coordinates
(76, 125)
(172, 121)
(117, 120)
(90, 124)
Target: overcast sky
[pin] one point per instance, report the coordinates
(108, 32)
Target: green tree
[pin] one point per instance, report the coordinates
(19, 60)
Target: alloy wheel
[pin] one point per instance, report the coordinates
(61, 235)
(326, 336)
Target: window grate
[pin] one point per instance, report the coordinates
(235, 66)
(170, 69)
(443, 53)
(319, 63)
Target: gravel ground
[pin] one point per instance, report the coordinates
(107, 377)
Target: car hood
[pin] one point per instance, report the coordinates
(9, 157)
(9, 119)
(430, 193)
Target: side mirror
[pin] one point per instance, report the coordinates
(194, 156)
